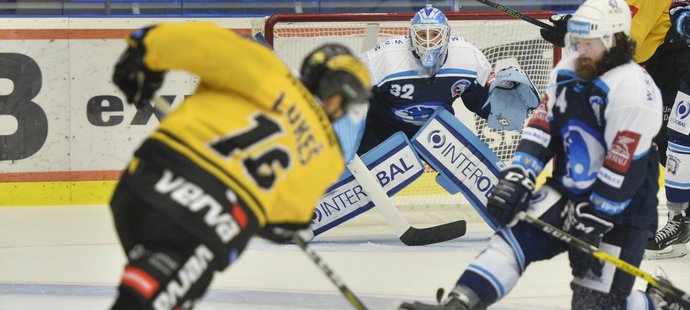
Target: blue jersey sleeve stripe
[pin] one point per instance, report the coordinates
(457, 71)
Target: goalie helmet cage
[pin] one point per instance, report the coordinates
(504, 40)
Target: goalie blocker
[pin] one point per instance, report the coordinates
(465, 164)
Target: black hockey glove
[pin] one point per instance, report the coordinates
(585, 223)
(281, 233)
(132, 76)
(511, 194)
(556, 35)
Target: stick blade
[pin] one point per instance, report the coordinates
(424, 236)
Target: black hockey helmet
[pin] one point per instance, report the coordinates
(332, 69)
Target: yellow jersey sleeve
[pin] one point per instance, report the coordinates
(250, 123)
(650, 22)
(224, 60)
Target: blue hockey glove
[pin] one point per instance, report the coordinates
(511, 194)
(556, 35)
(585, 223)
(511, 96)
(682, 24)
(132, 76)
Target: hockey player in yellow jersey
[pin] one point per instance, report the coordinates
(250, 152)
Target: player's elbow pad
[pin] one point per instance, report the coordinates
(511, 96)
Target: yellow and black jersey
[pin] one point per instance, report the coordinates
(650, 22)
(250, 123)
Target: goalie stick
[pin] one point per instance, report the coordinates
(349, 295)
(161, 104)
(517, 14)
(662, 284)
(407, 234)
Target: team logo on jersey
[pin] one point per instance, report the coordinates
(613, 4)
(622, 150)
(459, 87)
(583, 149)
(672, 164)
(416, 114)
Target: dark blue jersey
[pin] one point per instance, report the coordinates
(404, 97)
(599, 135)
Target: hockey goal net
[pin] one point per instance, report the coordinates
(505, 41)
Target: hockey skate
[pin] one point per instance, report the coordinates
(669, 242)
(661, 300)
(454, 301)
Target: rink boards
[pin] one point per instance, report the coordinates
(65, 131)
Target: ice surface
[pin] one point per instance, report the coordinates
(69, 258)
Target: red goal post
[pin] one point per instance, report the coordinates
(504, 40)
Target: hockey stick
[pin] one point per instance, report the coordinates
(407, 234)
(517, 14)
(662, 284)
(161, 104)
(349, 295)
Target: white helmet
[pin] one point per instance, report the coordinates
(430, 34)
(600, 19)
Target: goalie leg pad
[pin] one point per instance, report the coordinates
(463, 161)
(394, 165)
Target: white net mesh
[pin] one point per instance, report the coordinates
(504, 42)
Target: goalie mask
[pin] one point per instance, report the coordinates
(429, 33)
(332, 70)
(598, 19)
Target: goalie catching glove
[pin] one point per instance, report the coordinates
(132, 76)
(585, 223)
(511, 96)
(511, 194)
